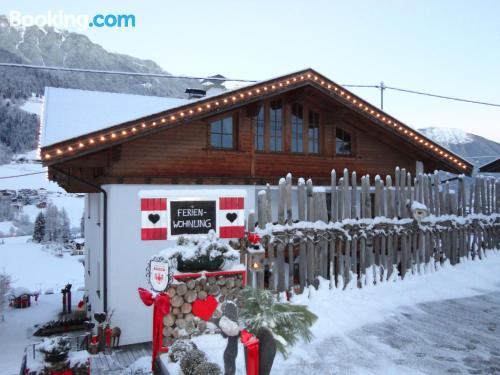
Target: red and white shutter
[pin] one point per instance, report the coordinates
(154, 219)
(231, 217)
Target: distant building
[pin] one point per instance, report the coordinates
(492, 167)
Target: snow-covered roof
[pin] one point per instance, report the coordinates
(69, 113)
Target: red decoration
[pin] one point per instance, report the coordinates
(232, 212)
(204, 308)
(94, 339)
(154, 219)
(108, 332)
(251, 344)
(254, 238)
(80, 304)
(161, 308)
(64, 372)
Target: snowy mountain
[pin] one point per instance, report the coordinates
(52, 47)
(48, 46)
(478, 150)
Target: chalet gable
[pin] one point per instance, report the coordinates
(210, 106)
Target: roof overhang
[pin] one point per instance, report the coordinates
(173, 117)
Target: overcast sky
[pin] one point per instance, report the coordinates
(445, 47)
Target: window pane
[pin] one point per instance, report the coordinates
(259, 130)
(216, 126)
(227, 141)
(276, 126)
(215, 140)
(313, 132)
(297, 128)
(228, 125)
(343, 142)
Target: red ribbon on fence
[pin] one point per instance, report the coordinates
(251, 344)
(161, 308)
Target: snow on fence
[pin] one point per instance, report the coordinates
(362, 235)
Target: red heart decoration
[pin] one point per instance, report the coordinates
(204, 308)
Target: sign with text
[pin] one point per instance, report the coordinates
(192, 217)
(167, 214)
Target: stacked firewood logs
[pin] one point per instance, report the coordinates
(181, 322)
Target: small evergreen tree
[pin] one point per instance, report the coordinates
(64, 227)
(287, 322)
(39, 230)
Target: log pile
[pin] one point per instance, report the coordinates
(180, 322)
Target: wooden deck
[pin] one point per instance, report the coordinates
(116, 361)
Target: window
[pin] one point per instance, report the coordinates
(259, 130)
(276, 126)
(313, 133)
(221, 133)
(343, 144)
(297, 128)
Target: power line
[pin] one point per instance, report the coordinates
(116, 72)
(380, 87)
(21, 175)
(442, 96)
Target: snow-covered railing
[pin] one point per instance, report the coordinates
(372, 233)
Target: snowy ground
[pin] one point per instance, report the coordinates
(25, 179)
(34, 268)
(442, 322)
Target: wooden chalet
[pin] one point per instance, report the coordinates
(126, 151)
(301, 123)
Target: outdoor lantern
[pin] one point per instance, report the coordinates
(256, 260)
(255, 253)
(419, 211)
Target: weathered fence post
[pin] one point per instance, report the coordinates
(333, 197)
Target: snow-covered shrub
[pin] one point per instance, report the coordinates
(208, 368)
(192, 360)
(200, 253)
(179, 349)
(288, 322)
(55, 348)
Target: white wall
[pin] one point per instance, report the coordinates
(128, 256)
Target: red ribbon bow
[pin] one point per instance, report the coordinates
(251, 344)
(161, 308)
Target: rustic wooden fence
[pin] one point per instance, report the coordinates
(362, 235)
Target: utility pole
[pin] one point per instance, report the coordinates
(382, 88)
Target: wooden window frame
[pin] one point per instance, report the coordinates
(320, 133)
(255, 120)
(346, 128)
(283, 124)
(291, 128)
(221, 117)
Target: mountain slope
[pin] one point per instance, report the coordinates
(51, 47)
(478, 150)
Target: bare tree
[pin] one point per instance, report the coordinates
(4, 292)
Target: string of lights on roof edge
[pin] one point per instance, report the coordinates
(226, 100)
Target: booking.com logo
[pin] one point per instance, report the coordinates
(79, 21)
